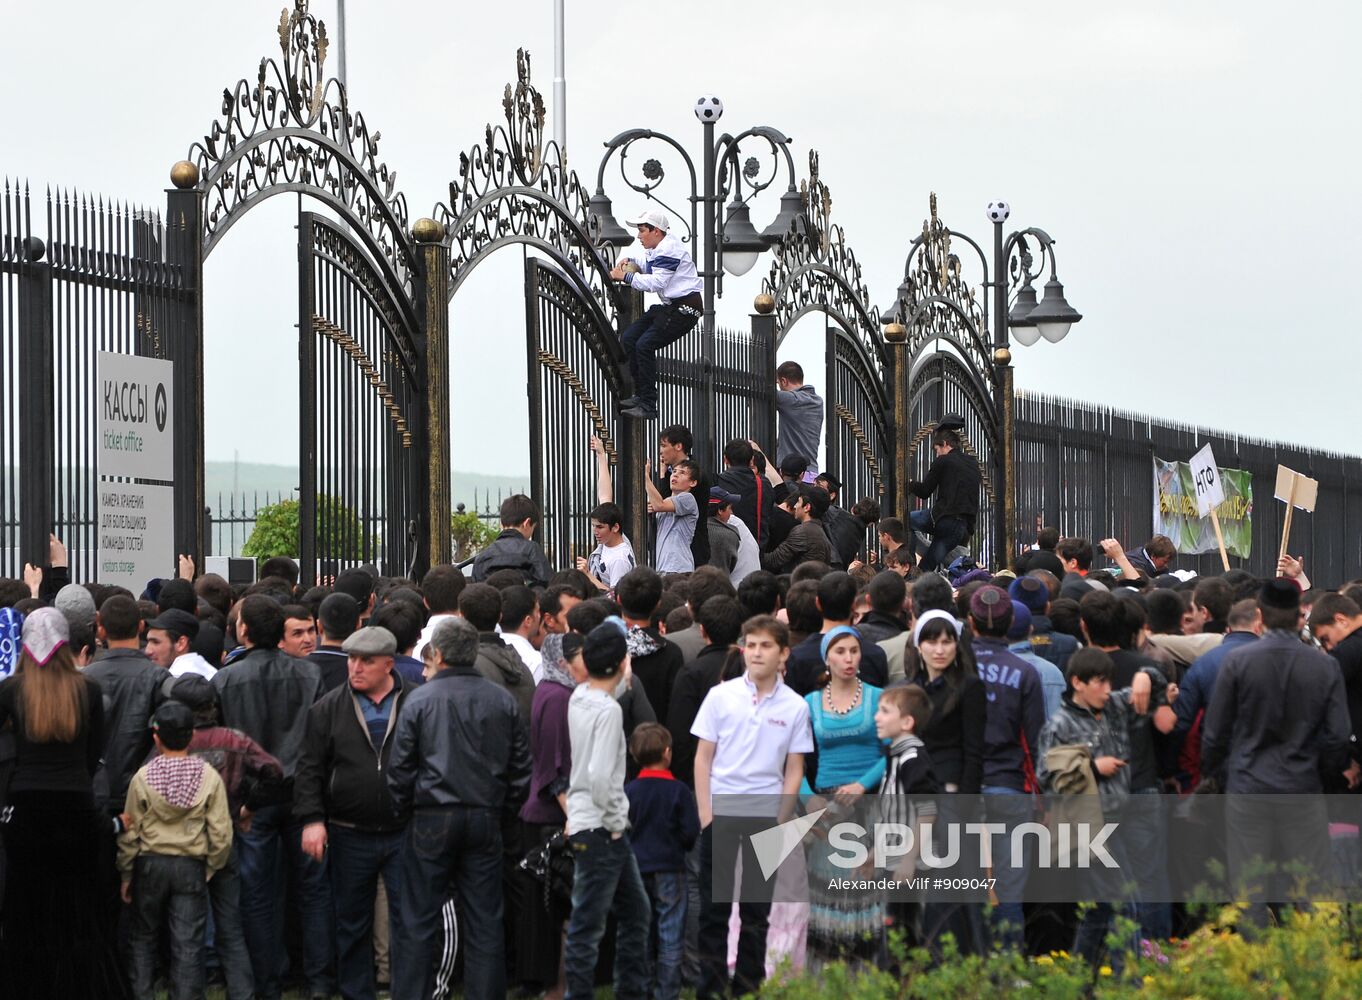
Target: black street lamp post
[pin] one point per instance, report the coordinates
(1015, 314)
(734, 247)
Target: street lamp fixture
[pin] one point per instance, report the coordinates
(611, 233)
(742, 244)
(791, 214)
(1020, 320)
(1054, 315)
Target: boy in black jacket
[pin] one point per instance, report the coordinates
(664, 824)
(906, 793)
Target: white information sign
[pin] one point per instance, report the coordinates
(136, 534)
(136, 430)
(1210, 491)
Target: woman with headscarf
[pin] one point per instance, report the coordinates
(849, 761)
(540, 923)
(954, 737)
(60, 907)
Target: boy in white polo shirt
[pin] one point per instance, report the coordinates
(753, 732)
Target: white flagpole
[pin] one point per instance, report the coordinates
(559, 80)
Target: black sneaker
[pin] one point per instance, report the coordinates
(640, 411)
(631, 401)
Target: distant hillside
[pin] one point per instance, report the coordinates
(252, 478)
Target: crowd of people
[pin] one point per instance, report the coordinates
(505, 781)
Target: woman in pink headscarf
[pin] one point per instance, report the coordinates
(60, 903)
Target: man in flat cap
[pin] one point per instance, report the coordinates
(1278, 720)
(340, 794)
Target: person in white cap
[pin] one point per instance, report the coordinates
(665, 268)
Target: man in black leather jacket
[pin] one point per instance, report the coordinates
(460, 763)
(266, 694)
(131, 684)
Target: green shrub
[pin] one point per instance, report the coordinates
(1313, 955)
(470, 534)
(276, 533)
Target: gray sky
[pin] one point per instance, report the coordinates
(1195, 162)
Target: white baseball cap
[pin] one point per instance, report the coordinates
(651, 217)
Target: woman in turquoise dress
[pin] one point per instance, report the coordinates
(849, 762)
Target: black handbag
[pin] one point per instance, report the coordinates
(552, 866)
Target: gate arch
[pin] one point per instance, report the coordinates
(360, 332)
(514, 188)
(815, 271)
(950, 367)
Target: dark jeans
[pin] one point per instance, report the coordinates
(659, 327)
(458, 845)
(175, 891)
(754, 909)
(668, 893)
(1261, 832)
(273, 843)
(690, 961)
(356, 860)
(606, 880)
(1113, 892)
(1011, 808)
(1146, 844)
(946, 534)
(229, 940)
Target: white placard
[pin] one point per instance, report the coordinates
(136, 426)
(1210, 491)
(136, 534)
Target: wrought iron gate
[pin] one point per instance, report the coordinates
(859, 440)
(574, 387)
(950, 371)
(362, 408)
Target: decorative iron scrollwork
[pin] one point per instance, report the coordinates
(872, 461)
(574, 383)
(515, 187)
(381, 390)
(814, 268)
(293, 130)
(940, 304)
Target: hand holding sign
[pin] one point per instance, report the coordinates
(1298, 491)
(1210, 494)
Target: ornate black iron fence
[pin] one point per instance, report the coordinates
(1088, 470)
(87, 276)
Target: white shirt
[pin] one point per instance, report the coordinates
(609, 563)
(429, 631)
(530, 656)
(752, 735)
(192, 663)
(749, 552)
(667, 270)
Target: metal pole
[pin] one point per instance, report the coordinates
(559, 80)
(705, 430)
(340, 43)
(1002, 360)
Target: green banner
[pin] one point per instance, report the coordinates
(1175, 512)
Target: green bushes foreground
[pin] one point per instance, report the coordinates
(1312, 955)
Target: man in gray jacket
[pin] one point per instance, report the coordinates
(800, 409)
(480, 605)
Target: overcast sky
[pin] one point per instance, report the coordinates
(1196, 163)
